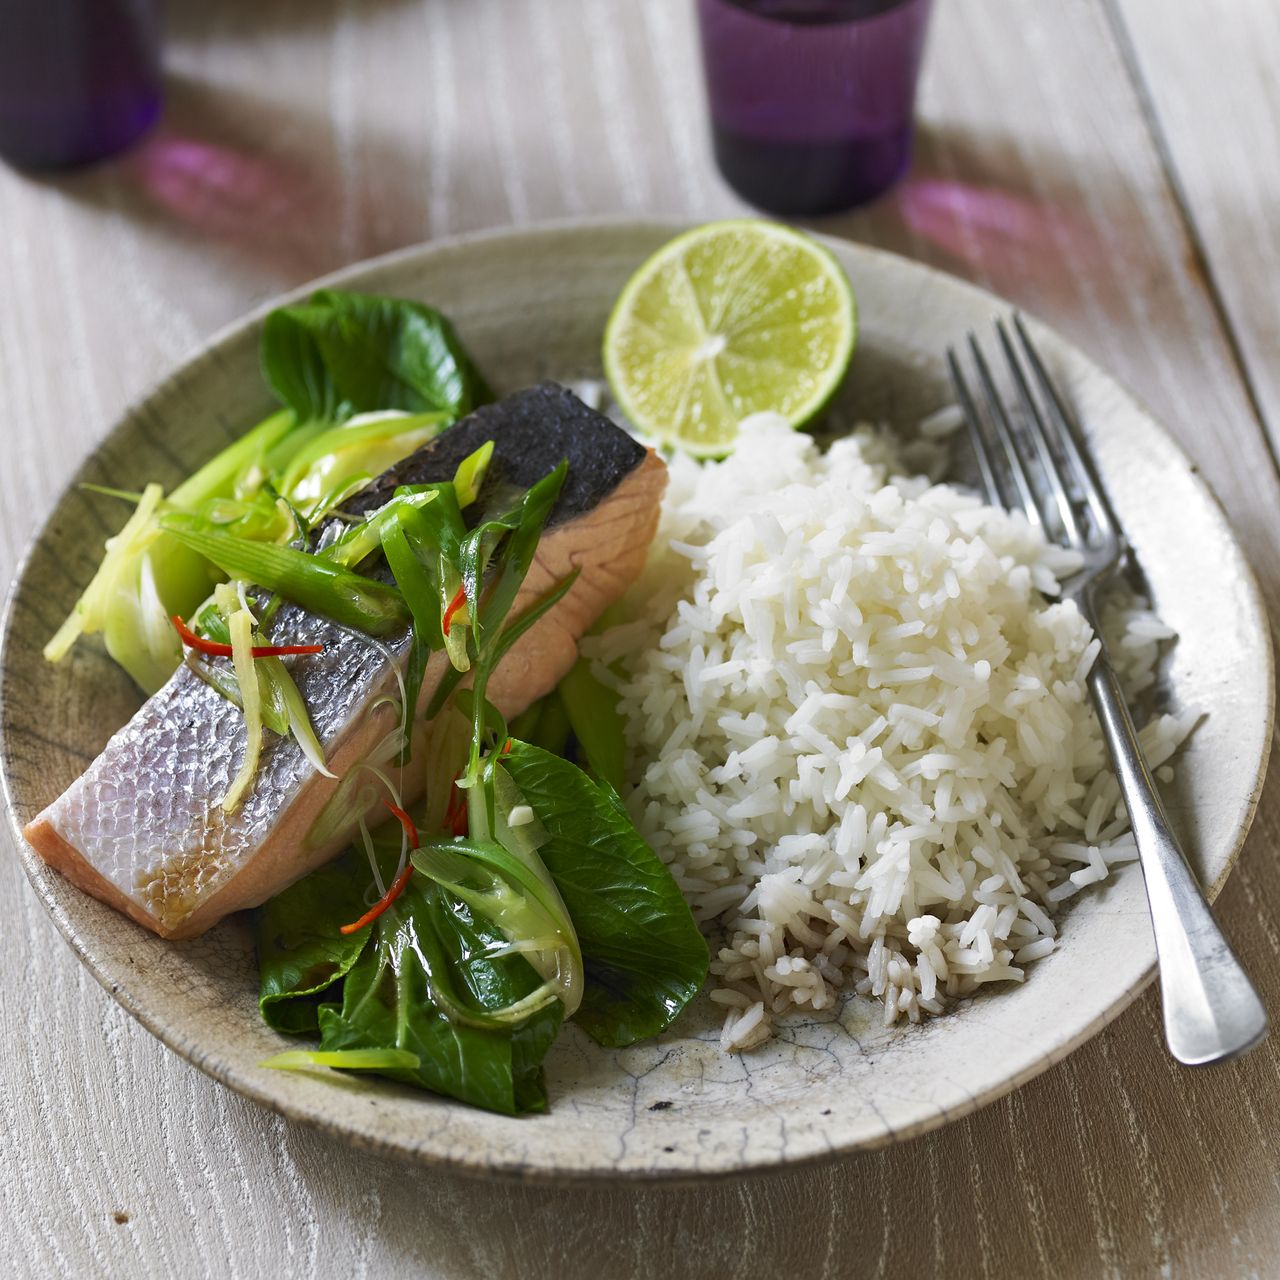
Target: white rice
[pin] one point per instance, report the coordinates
(859, 730)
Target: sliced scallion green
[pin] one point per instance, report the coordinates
(240, 625)
(343, 1060)
(369, 443)
(310, 581)
(469, 477)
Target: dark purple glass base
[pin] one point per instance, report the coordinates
(79, 79)
(67, 140)
(810, 177)
(811, 101)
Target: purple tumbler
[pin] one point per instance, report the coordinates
(811, 100)
(79, 79)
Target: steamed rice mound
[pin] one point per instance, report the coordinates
(859, 728)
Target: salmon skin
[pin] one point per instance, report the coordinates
(143, 829)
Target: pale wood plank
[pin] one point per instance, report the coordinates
(1210, 80)
(322, 131)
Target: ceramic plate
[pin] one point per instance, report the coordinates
(532, 304)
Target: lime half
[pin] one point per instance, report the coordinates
(727, 320)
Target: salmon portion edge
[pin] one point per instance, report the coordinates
(532, 669)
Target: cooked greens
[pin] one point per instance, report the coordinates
(551, 869)
(442, 971)
(445, 952)
(591, 713)
(424, 978)
(364, 380)
(339, 354)
(311, 581)
(645, 959)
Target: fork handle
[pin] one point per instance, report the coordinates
(1211, 1010)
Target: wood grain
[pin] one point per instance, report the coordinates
(1209, 84)
(303, 134)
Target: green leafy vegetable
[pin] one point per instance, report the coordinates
(301, 954)
(340, 354)
(593, 716)
(425, 979)
(545, 725)
(524, 905)
(424, 945)
(645, 958)
(517, 533)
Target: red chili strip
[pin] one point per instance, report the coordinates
(455, 816)
(406, 822)
(506, 749)
(213, 649)
(454, 605)
(397, 888)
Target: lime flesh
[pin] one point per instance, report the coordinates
(727, 320)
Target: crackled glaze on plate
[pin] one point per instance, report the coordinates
(532, 304)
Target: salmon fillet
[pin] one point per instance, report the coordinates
(143, 828)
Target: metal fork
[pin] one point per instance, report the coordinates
(1211, 1010)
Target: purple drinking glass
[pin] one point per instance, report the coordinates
(811, 101)
(79, 79)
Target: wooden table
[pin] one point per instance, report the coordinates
(1111, 165)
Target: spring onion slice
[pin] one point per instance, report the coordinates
(419, 594)
(372, 854)
(328, 503)
(448, 740)
(313, 582)
(368, 443)
(275, 715)
(299, 720)
(455, 618)
(353, 796)
(241, 628)
(364, 539)
(469, 477)
(86, 617)
(343, 1059)
(237, 468)
(106, 491)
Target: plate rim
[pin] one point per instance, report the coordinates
(243, 1082)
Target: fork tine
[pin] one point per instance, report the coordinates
(977, 438)
(1040, 435)
(1072, 442)
(1026, 494)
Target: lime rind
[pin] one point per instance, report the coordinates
(728, 319)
